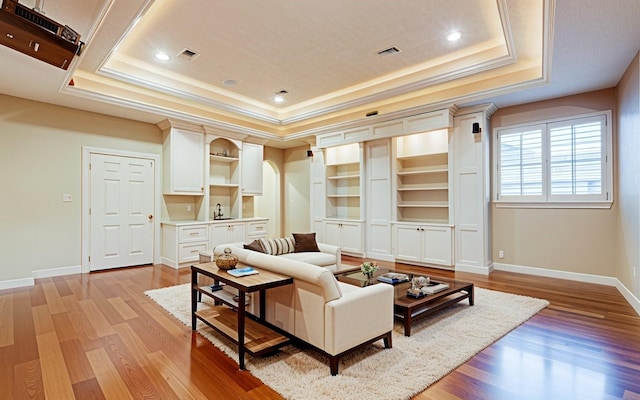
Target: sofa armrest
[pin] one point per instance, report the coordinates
(358, 316)
(333, 250)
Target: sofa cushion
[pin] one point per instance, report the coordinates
(305, 242)
(277, 246)
(315, 258)
(255, 246)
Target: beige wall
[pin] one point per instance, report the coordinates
(296, 190)
(276, 157)
(581, 241)
(628, 189)
(40, 160)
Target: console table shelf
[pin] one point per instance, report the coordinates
(258, 339)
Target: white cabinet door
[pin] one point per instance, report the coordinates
(183, 155)
(428, 244)
(332, 234)
(237, 232)
(229, 232)
(347, 235)
(407, 242)
(219, 234)
(351, 233)
(436, 245)
(252, 157)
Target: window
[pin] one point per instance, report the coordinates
(559, 163)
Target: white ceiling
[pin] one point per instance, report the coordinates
(324, 55)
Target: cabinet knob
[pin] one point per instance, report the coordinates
(150, 217)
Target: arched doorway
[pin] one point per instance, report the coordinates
(268, 205)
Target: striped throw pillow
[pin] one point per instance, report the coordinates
(278, 246)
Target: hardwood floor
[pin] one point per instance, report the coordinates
(97, 336)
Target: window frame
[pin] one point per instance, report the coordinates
(546, 199)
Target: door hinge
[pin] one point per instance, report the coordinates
(89, 211)
(89, 258)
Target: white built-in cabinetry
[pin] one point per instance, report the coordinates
(472, 195)
(227, 232)
(252, 157)
(422, 177)
(343, 224)
(183, 244)
(209, 181)
(392, 181)
(423, 244)
(378, 210)
(422, 230)
(183, 161)
(224, 193)
(183, 241)
(348, 235)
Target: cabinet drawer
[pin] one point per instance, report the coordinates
(190, 251)
(193, 233)
(258, 228)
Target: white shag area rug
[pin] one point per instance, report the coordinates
(437, 345)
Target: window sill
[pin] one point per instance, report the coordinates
(577, 205)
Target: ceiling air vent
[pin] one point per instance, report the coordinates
(188, 55)
(389, 51)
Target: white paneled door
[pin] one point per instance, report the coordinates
(121, 211)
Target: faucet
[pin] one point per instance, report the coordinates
(218, 213)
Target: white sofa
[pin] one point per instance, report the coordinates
(332, 316)
(328, 257)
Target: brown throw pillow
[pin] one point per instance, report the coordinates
(305, 242)
(255, 246)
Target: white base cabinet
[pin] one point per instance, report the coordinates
(423, 244)
(182, 242)
(226, 232)
(348, 235)
(257, 230)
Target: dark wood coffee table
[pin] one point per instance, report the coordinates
(408, 308)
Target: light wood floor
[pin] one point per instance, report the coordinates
(97, 336)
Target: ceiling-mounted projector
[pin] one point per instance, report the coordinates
(31, 33)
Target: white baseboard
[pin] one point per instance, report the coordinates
(380, 256)
(474, 269)
(169, 263)
(575, 276)
(38, 274)
(51, 272)
(17, 283)
(626, 293)
(551, 273)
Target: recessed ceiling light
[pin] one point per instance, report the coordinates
(453, 36)
(162, 56)
(229, 82)
(279, 96)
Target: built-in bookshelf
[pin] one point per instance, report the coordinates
(343, 181)
(422, 177)
(224, 179)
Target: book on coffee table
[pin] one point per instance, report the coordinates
(434, 287)
(393, 277)
(242, 271)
